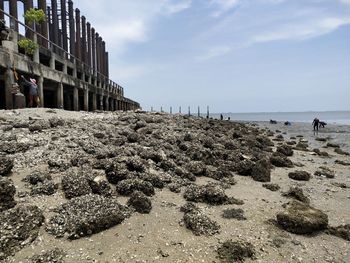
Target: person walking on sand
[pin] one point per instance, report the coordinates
(315, 123)
(33, 91)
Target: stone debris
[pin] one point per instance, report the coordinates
(75, 184)
(55, 255)
(261, 171)
(235, 251)
(211, 193)
(19, 227)
(325, 171)
(198, 222)
(140, 202)
(7, 194)
(280, 160)
(300, 218)
(285, 150)
(128, 186)
(299, 175)
(298, 194)
(342, 231)
(234, 213)
(86, 215)
(272, 187)
(6, 165)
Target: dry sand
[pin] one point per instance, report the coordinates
(161, 235)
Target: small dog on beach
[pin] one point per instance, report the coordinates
(322, 124)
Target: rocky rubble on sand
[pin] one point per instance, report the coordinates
(86, 215)
(84, 166)
(300, 218)
(18, 227)
(199, 223)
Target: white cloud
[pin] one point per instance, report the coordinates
(214, 52)
(223, 6)
(302, 31)
(345, 2)
(171, 8)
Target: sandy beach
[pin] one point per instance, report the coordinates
(63, 161)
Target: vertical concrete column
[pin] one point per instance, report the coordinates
(43, 25)
(55, 25)
(83, 41)
(53, 61)
(76, 99)
(60, 99)
(107, 103)
(93, 49)
(64, 25)
(88, 31)
(94, 102)
(41, 91)
(71, 27)
(14, 13)
(103, 56)
(77, 34)
(115, 105)
(28, 4)
(2, 8)
(86, 99)
(9, 80)
(107, 65)
(97, 37)
(101, 102)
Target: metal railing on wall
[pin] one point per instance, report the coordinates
(66, 55)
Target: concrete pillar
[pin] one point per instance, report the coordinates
(88, 31)
(55, 25)
(103, 55)
(2, 8)
(97, 36)
(53, 61)
(60, 99)
(86, 99)
(64, 25)
(41, 90)
(77, 34)
(106, 103)
(93, 49)
(71, 27)
(43, 25)
(94, 102)
(83, 40)
(14, 13)
(28, 4)
(76, 99)
(101, 102)
(9, 80)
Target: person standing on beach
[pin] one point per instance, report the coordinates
(33, 91)
(315, 123)
(221, 117)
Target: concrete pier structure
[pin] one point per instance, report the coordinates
(71, 65)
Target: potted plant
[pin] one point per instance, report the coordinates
(34, 17)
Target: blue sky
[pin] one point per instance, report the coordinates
(233, 55)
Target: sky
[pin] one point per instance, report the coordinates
(232, 55)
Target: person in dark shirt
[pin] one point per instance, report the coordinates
(315, 123)
(33, 91)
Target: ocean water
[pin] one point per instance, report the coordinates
(330, 117)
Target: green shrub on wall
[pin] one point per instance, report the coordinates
(28, 45)
(35, 15)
